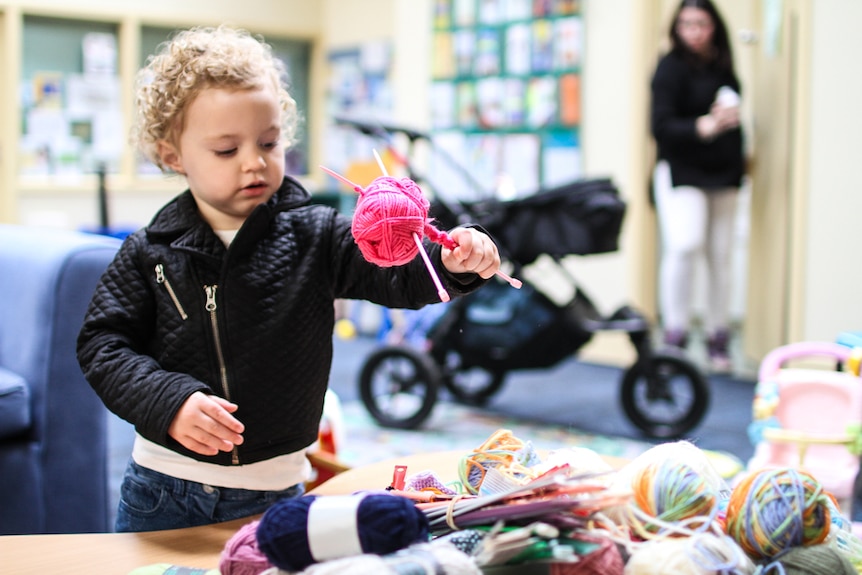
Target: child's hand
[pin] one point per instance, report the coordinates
(204, 424)
(476, 253)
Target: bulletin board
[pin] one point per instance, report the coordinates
(505, 94)
(70, 97)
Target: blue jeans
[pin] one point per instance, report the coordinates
(151, 501)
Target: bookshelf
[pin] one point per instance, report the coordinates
(506, 89)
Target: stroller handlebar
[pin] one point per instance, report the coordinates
(376, 128)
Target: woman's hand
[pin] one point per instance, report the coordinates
(719, 120)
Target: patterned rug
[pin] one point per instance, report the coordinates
(459, 427)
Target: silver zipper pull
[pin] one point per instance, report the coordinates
(211, 302)
(162, 279)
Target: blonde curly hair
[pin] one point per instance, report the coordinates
(194, 60)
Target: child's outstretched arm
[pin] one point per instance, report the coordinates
(476, 252)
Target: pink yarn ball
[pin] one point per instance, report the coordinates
(388, 213)
(241, 555)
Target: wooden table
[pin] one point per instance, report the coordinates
(120, 553)
(115, 553)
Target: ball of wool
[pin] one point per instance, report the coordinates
(384, 524)
(677, 452)
(241, 555)
(700, 554)
(674, 493)
(388, 213)
(812, 560)
(772, 510)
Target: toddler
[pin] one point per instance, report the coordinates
(211, 331)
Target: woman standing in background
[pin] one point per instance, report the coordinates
(695, 122)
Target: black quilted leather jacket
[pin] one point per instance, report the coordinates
(176, 312)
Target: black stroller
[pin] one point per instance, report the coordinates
(470, 344)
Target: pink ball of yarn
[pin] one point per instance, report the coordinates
(241, 555)
(388, 213)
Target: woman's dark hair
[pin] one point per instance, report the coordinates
(723, 57)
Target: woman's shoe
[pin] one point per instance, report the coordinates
(677, 338)
(717, 348)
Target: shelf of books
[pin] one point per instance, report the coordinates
(505, 94)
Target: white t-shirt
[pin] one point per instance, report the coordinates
(270, 475)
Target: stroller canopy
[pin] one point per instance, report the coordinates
(579, 218)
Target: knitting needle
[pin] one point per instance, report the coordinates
(380, 163)
(515, 283)
(444, 295)
(341, 178)
(441, 291)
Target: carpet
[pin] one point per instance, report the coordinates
(585, 397)
(457, 427)
(573, 396)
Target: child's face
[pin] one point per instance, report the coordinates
(230, 153)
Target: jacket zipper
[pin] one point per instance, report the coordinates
(211, 308)
(162, 279)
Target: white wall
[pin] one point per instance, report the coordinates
(609, 125)
(832, 294)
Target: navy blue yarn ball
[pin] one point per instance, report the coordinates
(386, 523)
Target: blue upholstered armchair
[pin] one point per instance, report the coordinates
(53, 427)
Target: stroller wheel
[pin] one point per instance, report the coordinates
(398, 386)
(665, 395)
(475, 385)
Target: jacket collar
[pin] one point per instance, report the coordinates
(180, 224)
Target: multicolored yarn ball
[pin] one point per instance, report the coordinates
(700, 554)
(678, 452)
(295, 533)
(676, 495)
(241, 555)
(811, 560)
(388, 214)
(772, 510)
